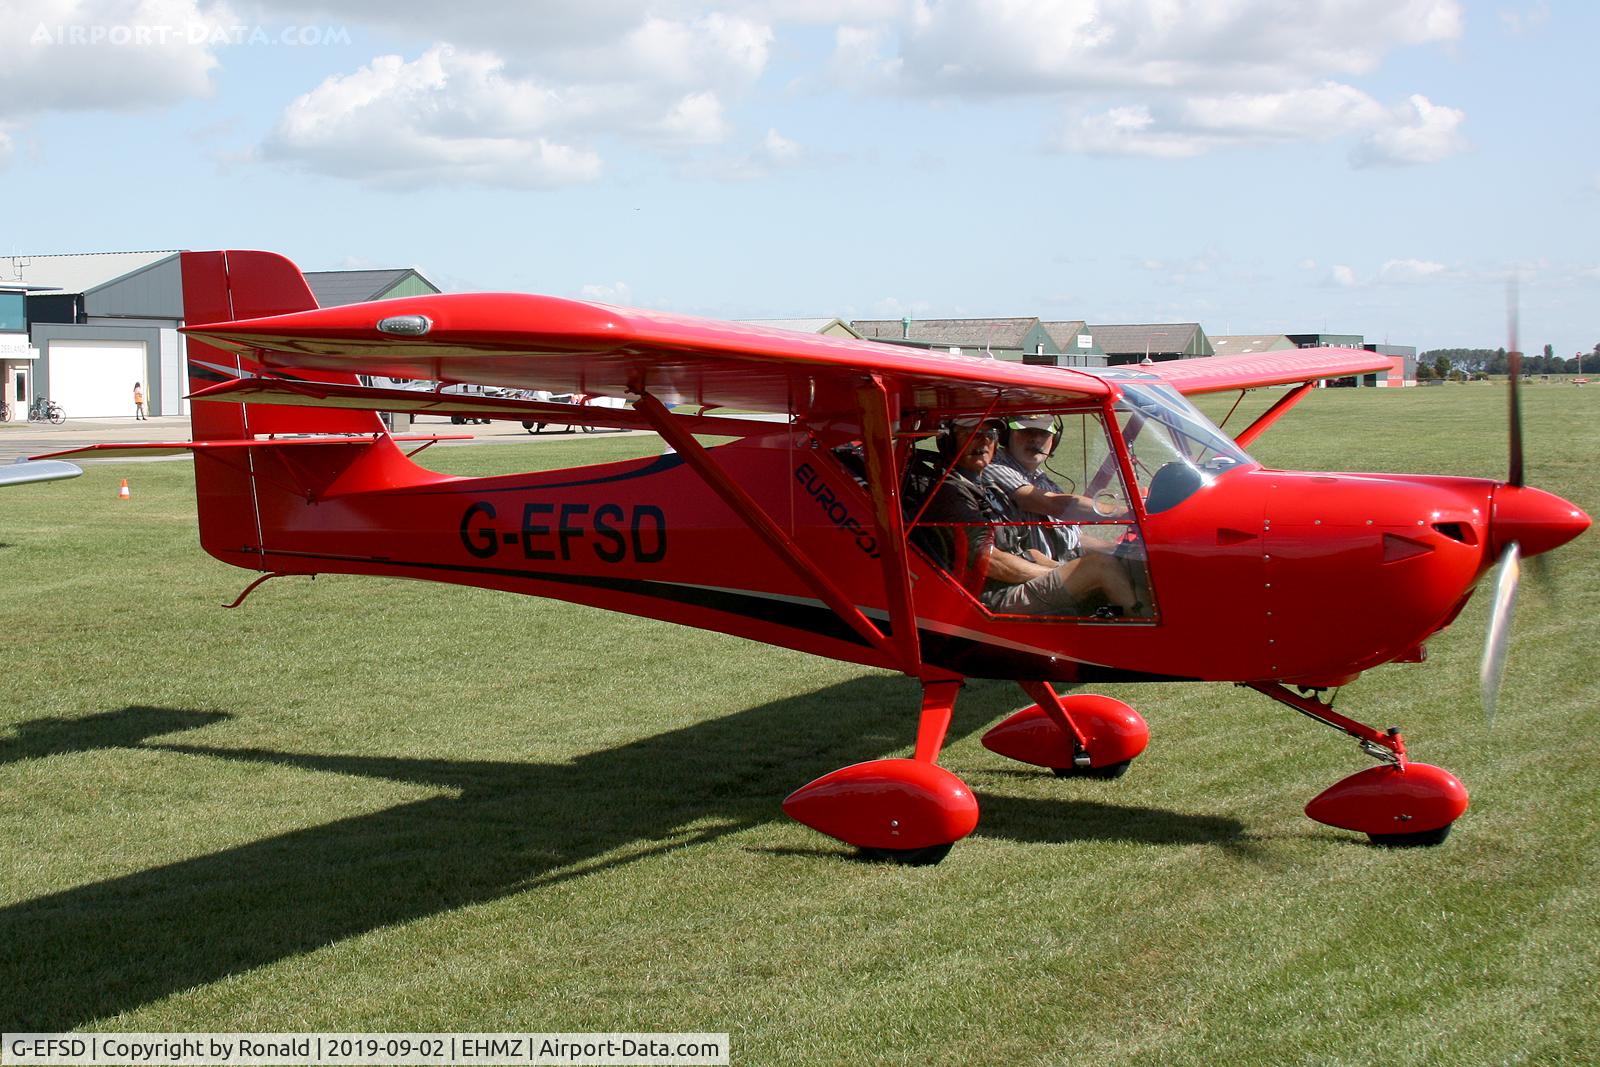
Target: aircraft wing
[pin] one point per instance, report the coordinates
(1220, 374)
(539, 342)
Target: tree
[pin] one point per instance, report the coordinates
(1441, 367)
(1424, 372)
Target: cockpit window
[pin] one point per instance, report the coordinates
(1176, 450)
(1030, 516)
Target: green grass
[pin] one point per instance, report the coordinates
(357, 804)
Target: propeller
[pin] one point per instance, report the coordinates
(1514, 365)
(1498, 638)
(1508, 571)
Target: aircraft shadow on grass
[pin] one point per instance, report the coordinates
(90, 952)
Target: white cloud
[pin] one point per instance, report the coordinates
(1417, 131)
(891, 307)
(527, 109)
(620, 293)
(1343, 276)
(1414, 131)
(1525, 20)
(5, 144)
(1131, 131)
(448, 117)
(1164, 79)
(1410, 270)
(860, 58)
(779, 150)
(116, 55)
(715, 49)
(774, 152)
(1051, 45)
(1181, 272)
(695, 119)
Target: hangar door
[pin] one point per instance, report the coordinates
(94, 379)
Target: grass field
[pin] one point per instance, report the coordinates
(356, 804)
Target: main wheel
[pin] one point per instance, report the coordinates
(1108, 772)
(1420, 839)
(909, 857)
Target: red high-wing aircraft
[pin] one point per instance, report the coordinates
(814, 532)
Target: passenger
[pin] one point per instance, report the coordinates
(1032, 495)
(990, 554)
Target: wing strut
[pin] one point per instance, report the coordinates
(878, 420)
(1272, 414)
(743, 505)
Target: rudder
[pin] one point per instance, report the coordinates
(228, 286)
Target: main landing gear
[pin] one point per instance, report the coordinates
(911, 811)
(1400, 804)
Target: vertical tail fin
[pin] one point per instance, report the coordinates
(222, 287)
(235, 516)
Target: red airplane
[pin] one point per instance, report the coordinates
(821, 525)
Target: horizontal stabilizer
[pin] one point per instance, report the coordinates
(143, 450)
(288, 393)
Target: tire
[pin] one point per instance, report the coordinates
(1109, 772)
(1420, 839)
(456, 420)
(908, 857)
(57, 416)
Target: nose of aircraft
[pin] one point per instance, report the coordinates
(1538, 521)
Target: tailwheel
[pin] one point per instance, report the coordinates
(909, 857)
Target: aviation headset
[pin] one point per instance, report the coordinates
(954, 434)
(1057, 429)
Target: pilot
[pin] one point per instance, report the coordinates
(1032, 496)
(1006, 576)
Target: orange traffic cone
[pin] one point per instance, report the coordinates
(122, 493)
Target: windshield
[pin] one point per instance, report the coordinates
(1175, 449)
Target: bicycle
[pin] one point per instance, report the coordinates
(46, 410)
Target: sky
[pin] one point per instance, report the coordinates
(1379, 167)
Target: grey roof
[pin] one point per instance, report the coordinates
(1150, 337)
(1235, 344)
(1064, 333)
(967, 333)
(79, 273)
(333, 288)
(800, 325)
